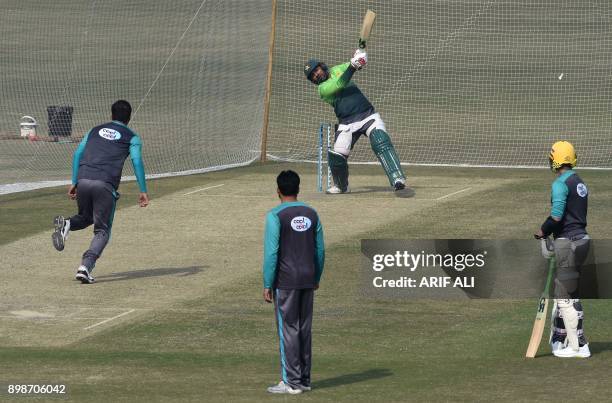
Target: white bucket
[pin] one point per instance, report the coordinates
(28, 126)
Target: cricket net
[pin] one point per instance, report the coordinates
(475, 82)
(193, 70)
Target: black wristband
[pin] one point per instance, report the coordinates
(348, 74)
(550, 226)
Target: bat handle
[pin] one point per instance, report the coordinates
(362, 44)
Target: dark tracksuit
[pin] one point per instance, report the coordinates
(294, 256)
(96, 171)
(569, 200)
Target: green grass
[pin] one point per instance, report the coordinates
(486, 92)
(32, 212)
(222, 345)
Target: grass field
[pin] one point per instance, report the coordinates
(177, 312)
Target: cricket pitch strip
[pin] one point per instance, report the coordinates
(179, 249)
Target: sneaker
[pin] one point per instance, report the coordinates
(400, 184)
(584, 351)
(557, 345)
(334, 190)
(568, 352)
(283, 388)
(305, 388)
(83, 275)
(62, 227)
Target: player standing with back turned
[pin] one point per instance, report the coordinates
(294, 255)
(567, 224)
(356, 117)
(96, 173)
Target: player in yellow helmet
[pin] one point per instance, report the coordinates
(567, 224)
(562, 153)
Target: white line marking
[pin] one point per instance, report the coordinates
(109, 319)
(199, 190)
(324, 197)
(454, 193)
(239, 196)
(52, 318)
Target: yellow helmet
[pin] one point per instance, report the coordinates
(562, 153)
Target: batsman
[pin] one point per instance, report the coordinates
(567, 224)
(356, 117)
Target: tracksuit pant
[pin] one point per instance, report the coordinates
(96, 201)
(570, 255)
(293, 310)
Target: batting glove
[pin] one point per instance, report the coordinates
(547, 247)
(359, 60)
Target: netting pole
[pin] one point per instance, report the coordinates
(264, 131)
(320, 160)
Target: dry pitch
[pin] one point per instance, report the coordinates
(176, 312)
(186, 244)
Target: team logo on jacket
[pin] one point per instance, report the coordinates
(300, 223)
(109, 134)
(582, 190)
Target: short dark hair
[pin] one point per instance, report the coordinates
(288, 183)
(122, 111)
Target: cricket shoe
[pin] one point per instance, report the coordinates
(399, 184)
(557, 345)
(568, 352)
(83, 275)
(62, 227)
(584, 351)
(335, 190)
(283, 388)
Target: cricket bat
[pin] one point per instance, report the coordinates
(540, 320)
(366, 28)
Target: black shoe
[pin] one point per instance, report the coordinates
(400, 184)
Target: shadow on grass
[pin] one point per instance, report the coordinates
(138, 274)
(405, 193)
(371, 189)
(356, 377)
(597, 347)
